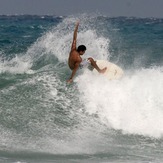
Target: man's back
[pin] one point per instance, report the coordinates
(74, 58)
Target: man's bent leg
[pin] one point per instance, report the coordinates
(93, 63)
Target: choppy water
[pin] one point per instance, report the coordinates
(44, 119)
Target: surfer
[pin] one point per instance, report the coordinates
(75, 61)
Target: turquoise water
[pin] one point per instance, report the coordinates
(44, 119)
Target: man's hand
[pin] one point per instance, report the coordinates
(69, 81)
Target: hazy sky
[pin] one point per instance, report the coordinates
(138, 8)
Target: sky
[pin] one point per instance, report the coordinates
(112, 8)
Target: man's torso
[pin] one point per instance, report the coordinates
(74, 57)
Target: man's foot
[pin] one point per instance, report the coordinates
(102, 71)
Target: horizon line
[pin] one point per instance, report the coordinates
(62, 16)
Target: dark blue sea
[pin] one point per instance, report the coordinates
(93, 120)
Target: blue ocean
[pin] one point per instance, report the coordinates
(43, 119)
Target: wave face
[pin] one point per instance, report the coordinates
(43, 118)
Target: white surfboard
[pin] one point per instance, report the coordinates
(113, 71)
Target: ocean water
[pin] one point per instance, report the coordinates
(93, 120)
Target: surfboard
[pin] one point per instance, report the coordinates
(113, 71)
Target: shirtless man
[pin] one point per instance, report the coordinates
(75, 60)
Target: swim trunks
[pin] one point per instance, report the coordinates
(85, 64)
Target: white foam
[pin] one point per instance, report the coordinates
(133, 104)
(19, 64)
(59, 39)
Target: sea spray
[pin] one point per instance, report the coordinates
(133, 104)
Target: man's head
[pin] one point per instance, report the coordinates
(81, 49)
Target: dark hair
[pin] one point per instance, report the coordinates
(81, 48)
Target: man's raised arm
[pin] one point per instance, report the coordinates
(73, 47)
